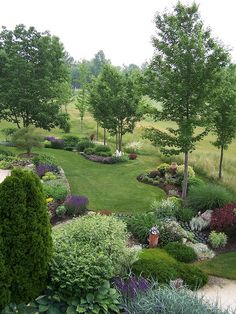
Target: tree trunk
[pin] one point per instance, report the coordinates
(104, 136)
(221, 161)
(81, 124)
(116, 140)
(97, 132)
(185, 181)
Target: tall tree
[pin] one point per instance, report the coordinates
(223, 99)
(98, 62)
(82, 97)
(32, 70)
(184, 67)
(115, 102)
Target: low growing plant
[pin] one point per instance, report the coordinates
(56, 189)
(181, 252)
(217, 240)
(76, 205)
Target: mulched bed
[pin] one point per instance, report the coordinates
(25, 155)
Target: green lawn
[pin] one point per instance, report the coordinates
(111, 187)
(223, 265)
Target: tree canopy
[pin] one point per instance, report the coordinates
(32, 72)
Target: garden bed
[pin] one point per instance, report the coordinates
(104, 160)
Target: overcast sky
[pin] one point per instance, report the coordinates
(121, 28)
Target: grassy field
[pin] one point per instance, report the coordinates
(205, 159)
(223, 265)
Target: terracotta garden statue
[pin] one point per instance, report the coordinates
(153, 237)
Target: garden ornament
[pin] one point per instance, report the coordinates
(153, 237)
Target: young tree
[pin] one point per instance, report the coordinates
(184, 67)
(82, 97)
(32, 70)
(27, 138)
(115, 102)
(25, 233)
(224, 116)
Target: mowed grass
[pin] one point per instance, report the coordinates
(223, 265)
(111, 187)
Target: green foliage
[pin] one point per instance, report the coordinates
(89, 150)
(56, 189)
(103, 148)
(35, 61)
(165, 208)
(217, 239)
(194, 181)
(63, 121)
(70, 141)
(198, 223)
(185, 53)
(61, 211)
(140, 224)
(168, 300)
(8, 132)
(208, 196)
(180, 171)
(6, 153)
(114, 102)
(44, 159)
(84, 143)
(159, 265)
(49, 176)
(184, 214)
(181, 252)
(27, 138)
(26, 235)
(88, 251)
(163, 168)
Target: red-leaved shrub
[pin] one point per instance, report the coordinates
(132, 156)
(224, 219)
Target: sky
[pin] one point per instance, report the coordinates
(121, 28)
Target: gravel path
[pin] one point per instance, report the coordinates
(4, 174)
(221, 290)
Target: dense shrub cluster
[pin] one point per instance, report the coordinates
(181, 252)
(56, 189)
(159, 265)
(224, 218)
(88, 251)
(25, 233)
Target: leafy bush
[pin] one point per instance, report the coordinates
(88, 251)
(104, 154)
(9, 132)
(6, 153)
(140, 224)
(61, 211)
(166, 300)
(224, 219)
(49, 176)
(184, 214)
(194, 181)
(26, 245)
(165, 208)
(89, 150)
(163, 168)
(76, 205)
(44, 159)
(57, 143)
(159, 265)
(208, 196)
(70, 141)
(132, 156)
(180, 171)
(102, 148)
(84, 143)
(217, 239)
(181, 252)
(27, 138)
(56, 189)
(41, 169)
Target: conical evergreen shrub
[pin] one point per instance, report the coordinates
(25, 231)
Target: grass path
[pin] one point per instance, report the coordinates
(111, 187)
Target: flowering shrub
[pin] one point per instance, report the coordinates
(42, 169)
(54, 142)
(132, 156)
(202, 250)
(131, 287)
(217, 239)
(133, 147)
(224, 219)
(75, 204)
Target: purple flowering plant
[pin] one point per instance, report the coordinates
(132, 286)
(76, 204)
(41, 169)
